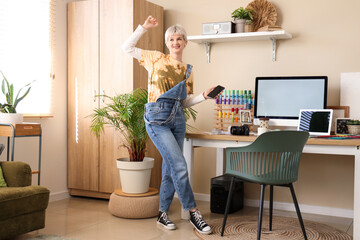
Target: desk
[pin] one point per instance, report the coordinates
(313, 145)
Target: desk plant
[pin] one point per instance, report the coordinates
(353, 127)
(241, 16)
(11, 100)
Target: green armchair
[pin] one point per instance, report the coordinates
(22, 206)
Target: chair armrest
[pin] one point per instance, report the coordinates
(16, 174)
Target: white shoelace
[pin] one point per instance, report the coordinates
(166, 218)
(198, 219)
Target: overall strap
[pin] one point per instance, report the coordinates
(188, 71)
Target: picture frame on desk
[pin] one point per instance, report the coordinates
(341, 126)
(339, 112)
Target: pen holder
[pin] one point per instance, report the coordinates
(264, 123)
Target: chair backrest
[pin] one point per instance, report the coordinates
(273, 158)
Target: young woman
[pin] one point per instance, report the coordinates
(170, 83)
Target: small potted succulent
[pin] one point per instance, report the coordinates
(241, 16)
(353, 127)
(8, 114)
(249, 26)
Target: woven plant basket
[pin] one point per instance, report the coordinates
(354, 129)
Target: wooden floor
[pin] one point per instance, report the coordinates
(89, 219)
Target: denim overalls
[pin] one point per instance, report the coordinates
(165, 124)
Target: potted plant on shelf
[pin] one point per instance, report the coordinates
(8, 114)
(240, 16)
(353, 127)
(249, 26)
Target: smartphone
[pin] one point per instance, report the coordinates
(215, 91)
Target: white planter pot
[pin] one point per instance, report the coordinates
(11, 118)
(240, 25)
(135, 176)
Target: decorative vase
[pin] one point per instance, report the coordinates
(135, 176)
(354, 129)
(11, 118)
(240, 25)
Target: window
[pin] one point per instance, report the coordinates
(25, 50)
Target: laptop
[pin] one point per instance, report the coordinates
(315, 121)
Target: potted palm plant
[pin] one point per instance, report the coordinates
(125, 112)
(8, 114)
(240, 16)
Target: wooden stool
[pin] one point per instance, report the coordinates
(145, 205)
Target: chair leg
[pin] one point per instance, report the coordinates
(271, 206)
(261, 210)
(227, 208)
(298, 210)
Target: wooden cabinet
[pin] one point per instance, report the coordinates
(96, 66)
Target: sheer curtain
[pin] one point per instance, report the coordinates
(26, 40)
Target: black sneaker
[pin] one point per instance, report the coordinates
(164, 220)
(199, 223)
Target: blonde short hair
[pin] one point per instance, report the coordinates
(174, 30)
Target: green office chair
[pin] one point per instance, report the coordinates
(272, 159)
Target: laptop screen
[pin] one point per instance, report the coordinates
(315, 121)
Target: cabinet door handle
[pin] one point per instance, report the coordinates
(94, 96)
(103, 96)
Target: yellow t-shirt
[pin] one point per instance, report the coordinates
(164, 73)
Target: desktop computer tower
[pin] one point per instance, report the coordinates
(219, 193)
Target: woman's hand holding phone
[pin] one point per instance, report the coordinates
(214, 92)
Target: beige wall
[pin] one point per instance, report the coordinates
(325, 42)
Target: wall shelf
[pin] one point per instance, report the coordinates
(207, 40)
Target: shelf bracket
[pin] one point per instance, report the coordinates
(273, 49)
(207, 47)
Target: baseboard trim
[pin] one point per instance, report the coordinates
(305, 208)
(58, 196)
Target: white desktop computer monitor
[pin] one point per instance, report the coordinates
(281, 98)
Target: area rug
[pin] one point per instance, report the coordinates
(50, 237)
(245, 228)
